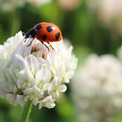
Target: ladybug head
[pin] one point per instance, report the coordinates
(31, 33)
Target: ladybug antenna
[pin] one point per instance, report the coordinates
(23, 33)
(23, 41)
(30, 43)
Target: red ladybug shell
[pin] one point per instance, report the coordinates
(48, 32)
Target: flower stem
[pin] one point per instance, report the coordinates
(26, 112)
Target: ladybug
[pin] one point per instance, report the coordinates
(44, 32)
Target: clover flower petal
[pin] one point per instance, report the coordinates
(47, 102)
(34, 72)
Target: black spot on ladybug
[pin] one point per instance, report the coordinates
(57, 35)
(49, 28)
(44, 37)
(38, 27)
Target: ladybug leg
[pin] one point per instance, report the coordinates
(23, 42)
(51, 46)
(45, 45)
(30, 43)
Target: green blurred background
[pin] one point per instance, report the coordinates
(79, 25)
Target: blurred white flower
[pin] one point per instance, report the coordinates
(108, 12)
(39, 2)
(34, 72)
(68, 4)
(8, 5)
(97, 88)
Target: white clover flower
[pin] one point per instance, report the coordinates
(33, 72)
(68, 4)
(109, 12)
(97, 88)
(8, 5)
(39, 2)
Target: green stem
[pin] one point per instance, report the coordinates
(26, 112)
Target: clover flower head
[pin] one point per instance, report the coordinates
(97, 88)
(39, 2)
(34, 72)
(109, 12)
(8, 5)
(68, 4)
